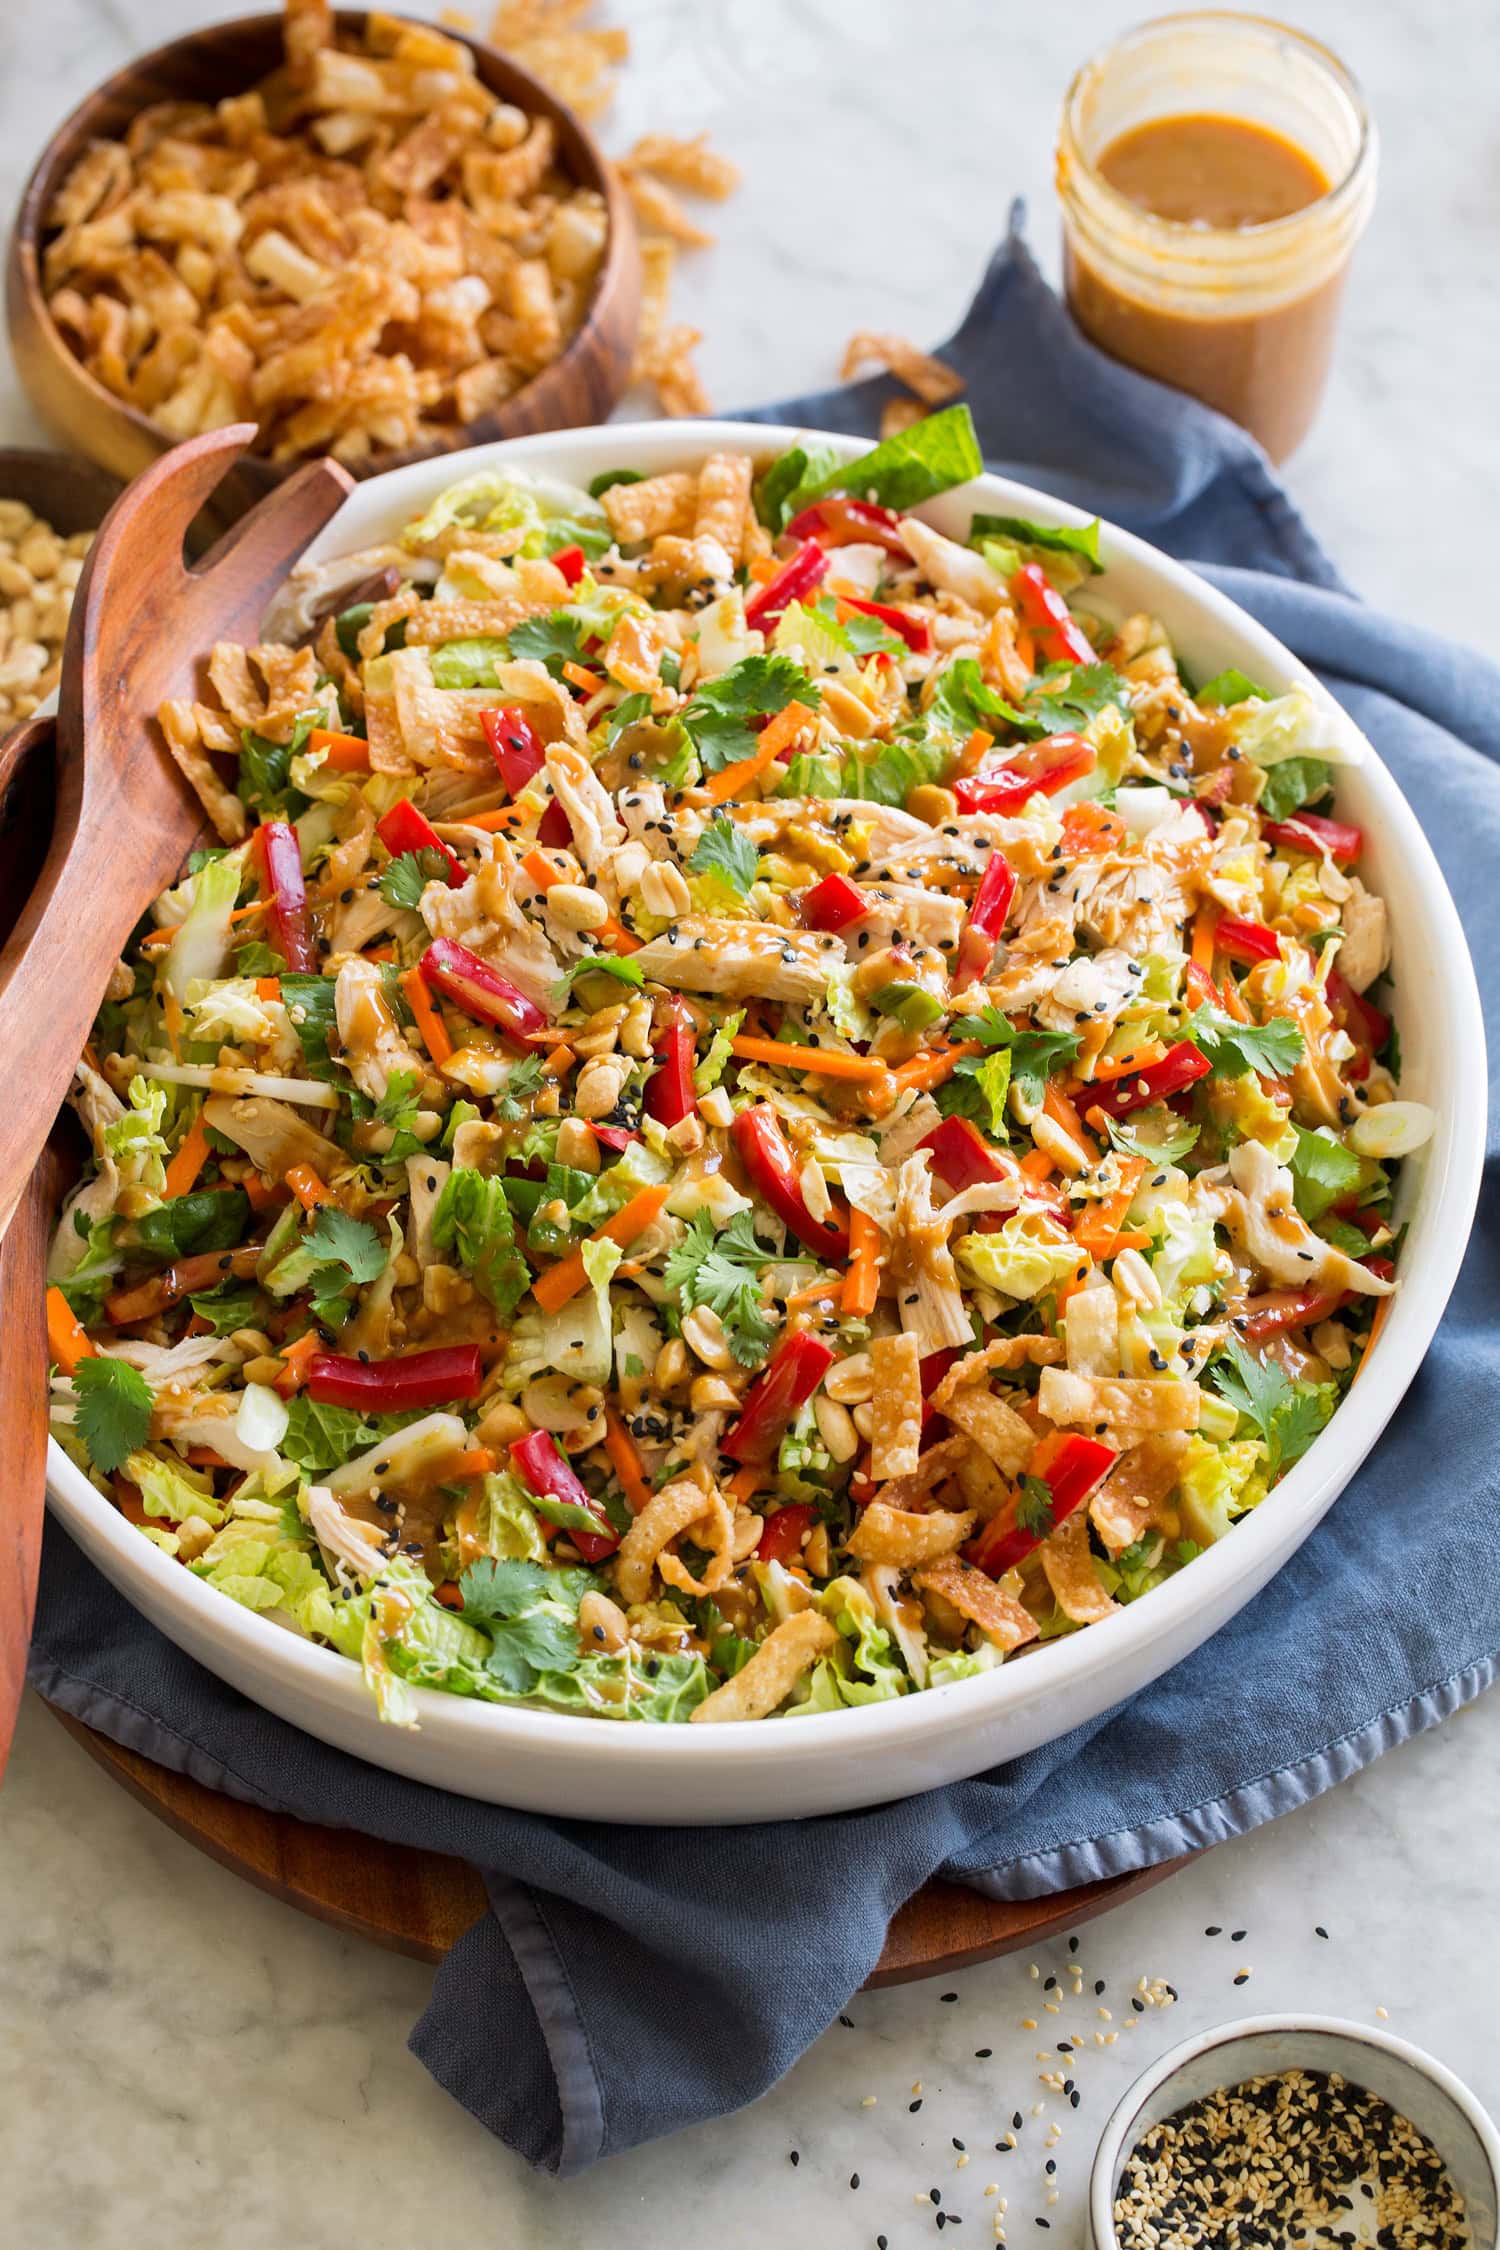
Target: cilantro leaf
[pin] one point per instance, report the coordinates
(114, 1410)
(408, 875)
(1230, 687)
(1324, 1172)
(1180, 1138)
(1067, 704)
(350, 1243)
(1034, 1055)
(1352, 1240)
(1293, 783)
(1232, 1047)
(1288, 1415)
(517, 1603)
(264, 784)
(963, 701)
(721, 1268)
(556, 640)
(757, 687)
(1034, 1508)
(495, 1589)
(625, 714)
(725, 856)
(1056, 539)
(257, 959)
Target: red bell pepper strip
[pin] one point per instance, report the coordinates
(404, 829)
(518, 754)
(781, 1541)
(390, 1386)
(961, 1156)
(986, 923)
(670, 1095)
(796, 1369)
(1044, 768)
(839, 521)
(1315, 832)
(1181, 1066)
(612, 1136)
(1368, 1026)
(772, 1168)
(1071, 1467)
(476, 988)
(545, 1473)
(1042, 607)
(807, 568)
(1246, 941)
(915, 631)
(833, 904)
(278, 855)
(570, 561)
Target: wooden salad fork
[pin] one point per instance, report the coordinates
(143, 623)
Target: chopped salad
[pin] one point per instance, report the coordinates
(759, 1108)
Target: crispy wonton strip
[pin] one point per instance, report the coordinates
(897, 1407)
(939, 1461)
(999, 1616)
(773, 1671)
(1129, 1405)
(656, 504)
(682, 1502)
(1133, 1497)
(180, 732)
(933, 382)
(893, 1535)
(1068, 1565)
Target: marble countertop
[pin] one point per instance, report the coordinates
(185, 2062)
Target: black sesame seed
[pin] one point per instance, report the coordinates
(1214, 1929)
(983, 2054)
(793, 2156)
(854, 2179)
(947, 1997)
(1237, 1937)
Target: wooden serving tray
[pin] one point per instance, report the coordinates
(420, 1903)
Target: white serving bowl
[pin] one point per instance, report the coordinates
(684, 1776)
(1416, 2086)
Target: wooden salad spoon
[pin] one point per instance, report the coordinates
(143, 623)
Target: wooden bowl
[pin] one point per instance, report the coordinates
(580, 386)
(70, 494)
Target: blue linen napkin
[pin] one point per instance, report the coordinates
(585, 2012)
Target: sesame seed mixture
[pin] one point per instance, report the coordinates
(1298, 2157)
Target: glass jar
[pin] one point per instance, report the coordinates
(1243, 317)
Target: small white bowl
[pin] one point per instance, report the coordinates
(1415, 2084)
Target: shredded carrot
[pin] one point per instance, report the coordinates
(449, 1593)
(268, 988)
(763, 569)
(812, 1291)
(309, 1190)
(858, 1069)
(503, 816)
(930, 1069)
(262, 1196)
(745, 1483)
(1110, 1067)
(1377, 1321)
(626, 1461)
(1056, 1105)
(579, 676)
(1232, 1000)
(296, 1358)
(562, 1282)
(547, 877)
(971, 757)
(1074, 1282)
(478, 1462)
(1026, 647)
(343, 753)
(434, 1034)
(129, 1502)
(1088, 829)
(66, 1340)
(155, 940)
(1037, 1165)
(1205, 924)
(1097, 1227)
(253, 906)
(862, 1281)
(204, 1457)
(380, 953)
(777, 735)
(559, 1062)
(188, 1158)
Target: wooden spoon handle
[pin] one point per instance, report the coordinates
(23, 1418)
(143, 619)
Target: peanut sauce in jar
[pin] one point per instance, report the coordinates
(1215, 174)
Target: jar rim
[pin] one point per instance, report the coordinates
(1186, 236)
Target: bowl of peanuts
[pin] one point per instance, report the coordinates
(50, 508)
(374, 239)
